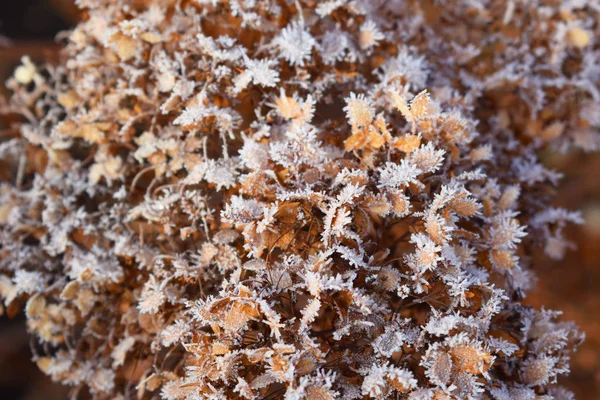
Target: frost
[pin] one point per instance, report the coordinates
(388, 343)
(334, 45)
(295, 43)
(358, 110)
(398, 175)
(298, 200)
(369, 35)
(506, 233)
(427, 158)
(258, 72)
(29, 282)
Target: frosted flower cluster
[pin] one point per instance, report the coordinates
(294, 199)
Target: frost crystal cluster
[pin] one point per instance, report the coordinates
(266, 199)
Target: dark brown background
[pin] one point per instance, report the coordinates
(571, 285)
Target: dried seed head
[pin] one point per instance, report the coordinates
(503, 259)
(578, 37)
(359, 111)
(537, 371)
(318, 393)
(195, 211)
(470, 359)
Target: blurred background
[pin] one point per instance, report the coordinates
(28, 27)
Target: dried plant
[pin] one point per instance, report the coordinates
(295, 199)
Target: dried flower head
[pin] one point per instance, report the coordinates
(294, 199)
